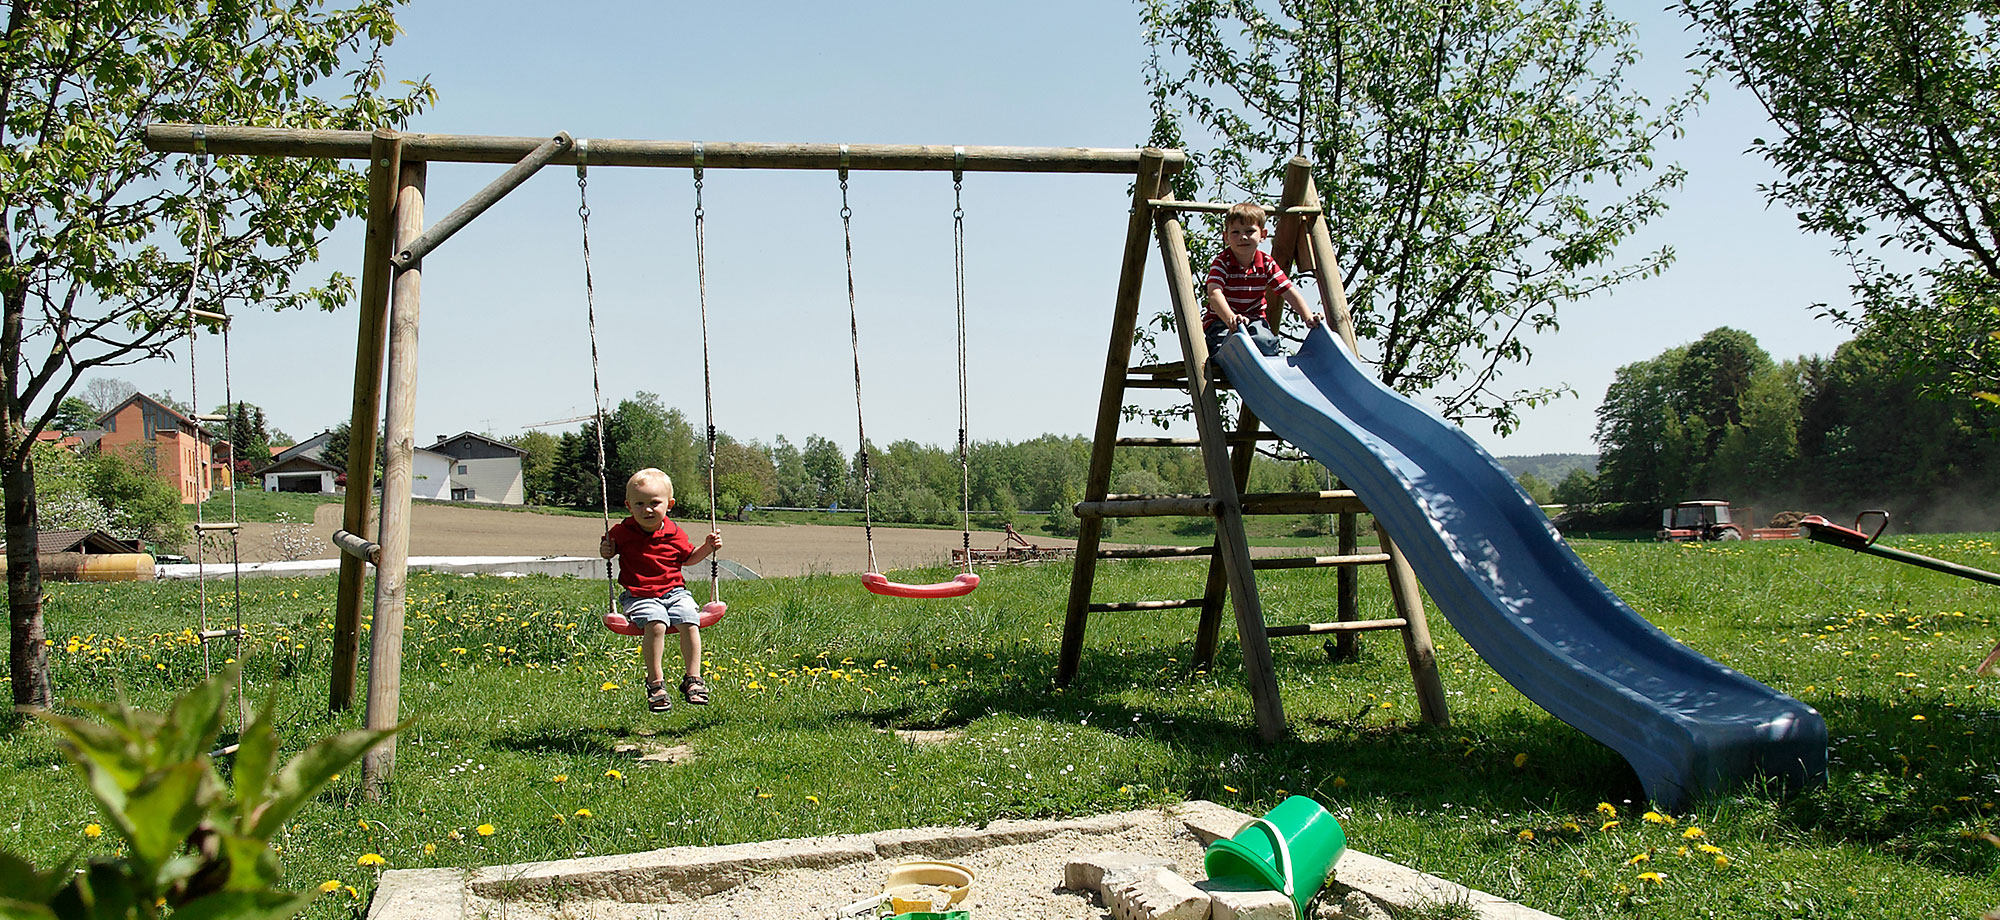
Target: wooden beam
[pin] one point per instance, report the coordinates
(485, 198)
(384, 166)
(1159, 506)
(385, 638)
(1152, 172)
(1220, 207)
(1231, 544)
(470, 148)
(1417, 647)
(1326, 262)
(1315, 562)
(1156, 552)
(1332, 502)
(358, 547)
(1344, 626)
(1146, 605)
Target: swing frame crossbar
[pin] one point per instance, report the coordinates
(385, 389)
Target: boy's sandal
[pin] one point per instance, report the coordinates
(694, 690)
(656, 696)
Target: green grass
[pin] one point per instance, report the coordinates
(255, 504)
(516, 729)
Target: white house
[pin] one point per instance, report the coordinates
(300, 473)
(483, 469)
(430, 474)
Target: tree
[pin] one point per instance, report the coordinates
(538, 467)
(1714, 375)
(243, 427)
(74, 414)
(105, 393)
(1480, 162)
(1577, 488)
(1887, 119)
(1638, 430)
(102, 242)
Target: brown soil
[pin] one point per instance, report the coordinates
(769, 550)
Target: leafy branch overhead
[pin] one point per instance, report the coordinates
(1481, 163)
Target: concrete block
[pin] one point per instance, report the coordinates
(1156, 894)
(1208, 821)
(1252, 904)
(1088, 873)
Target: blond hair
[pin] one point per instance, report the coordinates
(1246, 212)
(649, 476)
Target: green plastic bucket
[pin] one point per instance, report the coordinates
(1290, 850)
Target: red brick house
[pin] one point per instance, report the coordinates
(165, 441)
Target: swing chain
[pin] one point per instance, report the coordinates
(854, 339)
(596, 390)
(964, 414)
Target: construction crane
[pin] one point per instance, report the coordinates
(561, 421)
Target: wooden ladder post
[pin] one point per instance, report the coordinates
(1152, 178)
(385, 647)
(384, 165)
(1232, 546)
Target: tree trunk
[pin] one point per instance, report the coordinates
(27, 656)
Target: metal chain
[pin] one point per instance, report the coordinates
(707, 385)
(596, 389)
(964, 415)
(854, 339)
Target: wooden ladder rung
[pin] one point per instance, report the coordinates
(208, 315)
(1220, 207)
(1232, 438)
(1156, 552)
(1148, 506)
(1154, 383)
(199, 417)
(1313, 562)
(217, 525)
(1336, 501)
(1174, 369)
(207, 635)
(1314, 629)
(1146, 605)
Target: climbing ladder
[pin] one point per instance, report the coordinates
(1302, 240)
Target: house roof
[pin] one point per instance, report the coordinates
(465, 435)
(79, 541)
(200, 432)
(300, 464)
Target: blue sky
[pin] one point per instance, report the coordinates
(504, 340)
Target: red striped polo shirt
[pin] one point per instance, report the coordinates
(1242, 287)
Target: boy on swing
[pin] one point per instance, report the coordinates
(1241, 277)
(651, 552)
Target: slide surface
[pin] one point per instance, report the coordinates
(1494, 565)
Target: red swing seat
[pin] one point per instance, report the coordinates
(711, 614)
(957, 587)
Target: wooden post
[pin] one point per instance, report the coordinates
(1110, 406)
(485, 198)
(1231, 545)
(385, 647)
(1416, 635)
(384, 165)
(1295, 240)
(1207, 634)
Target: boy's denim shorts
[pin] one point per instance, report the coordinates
(675, 608)
(1260, 334)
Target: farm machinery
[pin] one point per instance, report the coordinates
(1716, 520)
(1013, 548)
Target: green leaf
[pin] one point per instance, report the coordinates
(249, 867)
(314, 767)
(195, 719)
(256, 758)
(245, 905)
(11, 909)
(20, 880)
(164, 810)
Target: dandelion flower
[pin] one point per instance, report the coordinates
(583, 812)
(813, 799)
(1693, 832)
(371, 859)
(1638, 858)
(608, 685)
(454, 835)
(1721, 861)
(329, 886)
(1709, 848)
(484, 830)
(93, 831)
(1654, 817)
(614, 774)
(1339, 782)
(356, 895)
(1229, 788)
(1525, 836)
(1520, 760)
(1916, 718)
(1653, 877)
(560, 778)
(430, 849)
(1607, 825)
(1607, 809)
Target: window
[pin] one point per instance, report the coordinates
(461, 469)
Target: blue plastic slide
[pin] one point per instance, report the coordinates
(1497, 569)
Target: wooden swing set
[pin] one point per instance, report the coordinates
(391, 279)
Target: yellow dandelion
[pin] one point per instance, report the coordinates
(1607, 809)
(1525, 836)
(1520, 760)
(93, 831)
(583, 812)
(1638, 858)
(1721, 861)
(484, 830)
(614, 774)
(1917, 718)
(608, 685)
(1229, 788)
(430, 849)
(329, 886)
(371, 859)
(763, 795)
(1692, 833)
(1339, 782)
(1607, 825)
(559, 778)
(813, 799)
(1654, 817)
(1709, 848)
(753, 685)
(454, 835)
(1653, 877)
(356, 895)
(560, 817)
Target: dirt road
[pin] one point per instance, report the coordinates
(768, 550)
